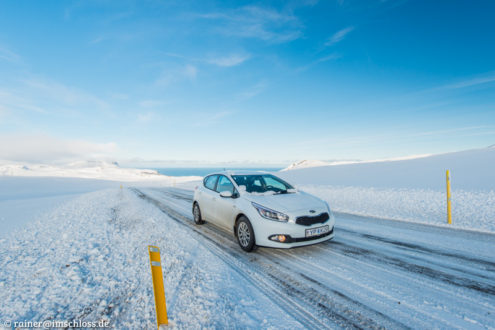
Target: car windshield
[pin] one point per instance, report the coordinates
(261, 183)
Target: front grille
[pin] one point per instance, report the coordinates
(308, 220)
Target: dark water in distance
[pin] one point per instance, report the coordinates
(202, 171)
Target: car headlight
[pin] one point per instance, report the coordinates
(330, 213)
(328, 208)
(270, 214)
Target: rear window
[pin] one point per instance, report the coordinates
(210, 181)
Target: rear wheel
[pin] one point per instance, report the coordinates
(245, 234)
(197, 214)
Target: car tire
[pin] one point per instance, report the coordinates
(245, 234)
(197, 214)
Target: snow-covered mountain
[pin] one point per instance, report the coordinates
(305, 164)
(85, 169)
(317, 163)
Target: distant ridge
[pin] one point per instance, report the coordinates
(305, 164)
(470, 169)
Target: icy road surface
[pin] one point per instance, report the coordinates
(87, 260)
(375, 273)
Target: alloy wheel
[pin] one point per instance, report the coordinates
(244, 234)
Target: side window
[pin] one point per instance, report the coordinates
(256, 185)
(210, 181)
(224, 184)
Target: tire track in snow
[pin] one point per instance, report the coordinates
(453, 275)
(360, 293)
(485, 264)
(482, 283)
(295, 294)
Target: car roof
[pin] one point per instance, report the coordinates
(239, 172)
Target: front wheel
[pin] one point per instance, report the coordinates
(245, 234)
(197, 214)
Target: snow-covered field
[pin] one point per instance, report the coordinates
(411, 189)
(87, 260)
(23, 199)
(29, 190)
(76, 249)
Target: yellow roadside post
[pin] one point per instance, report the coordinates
(159, 291)
(449, 206)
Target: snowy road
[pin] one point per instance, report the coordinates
(374, 274)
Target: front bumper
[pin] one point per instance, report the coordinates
(298, 242)
(289, 239)
(295, 234)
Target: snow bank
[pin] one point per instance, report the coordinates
(470, 209)
(87, 260)
(23, 199)
(411, 190)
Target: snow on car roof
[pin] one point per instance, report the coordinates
(240, 172)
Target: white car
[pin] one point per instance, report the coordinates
(262, 210)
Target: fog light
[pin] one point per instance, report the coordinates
(280, 238)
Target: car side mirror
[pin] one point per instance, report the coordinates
(226, 194)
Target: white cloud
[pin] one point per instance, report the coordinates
(151, 103)
(455, 130)
(8, 55)
(339, 36)
(224, 61)
(210, 119)
(13, 102)
(97, 40)
(146, 117)
(326, 58)
(50, 150)
(190, 71)
(231, 60)
(471, 82)
(48, 97)
(484, 79)
(119, 96)
(252, 91)
(65, 94)
(187, 72)
(256, 22)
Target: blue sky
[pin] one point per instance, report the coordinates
(268, 82)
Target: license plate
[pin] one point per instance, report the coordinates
(317, 231)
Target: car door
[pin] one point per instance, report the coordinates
(208, 198)
(225, 206)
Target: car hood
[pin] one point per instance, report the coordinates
(287, 203)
